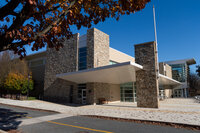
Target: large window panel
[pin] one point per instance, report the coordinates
(82, 62)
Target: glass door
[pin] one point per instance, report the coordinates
(82, 93)
(83, 96)
(127, 93)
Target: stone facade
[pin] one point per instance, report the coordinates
(97, 56)
(97, 48)
(57, 62)
(147, 79)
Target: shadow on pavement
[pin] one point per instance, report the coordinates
(8, 119)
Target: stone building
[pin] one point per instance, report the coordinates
(88, 71)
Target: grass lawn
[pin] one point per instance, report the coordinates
(32, 98)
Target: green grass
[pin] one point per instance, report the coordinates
(31, 98)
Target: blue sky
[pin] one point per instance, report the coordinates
(178, 29)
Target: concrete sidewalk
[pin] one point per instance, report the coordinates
(182, 111)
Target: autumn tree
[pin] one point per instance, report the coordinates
(10, 67)
(10, 63)
(198, 70)
(47, 22)
(17, 83)
(194, 82)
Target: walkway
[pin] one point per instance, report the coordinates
(184, 111)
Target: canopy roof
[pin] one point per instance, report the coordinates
(166, 81)
(187, 61)
(114, 74)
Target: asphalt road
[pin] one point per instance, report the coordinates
(11, 117)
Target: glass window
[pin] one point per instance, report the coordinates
(83, 54)
(127, 92)
(179, 72)
(82, 62)
(83, 49)
(112, 62)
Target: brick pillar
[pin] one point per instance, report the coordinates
(147, 79)
(97, 56)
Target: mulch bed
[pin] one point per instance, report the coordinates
(175, 125)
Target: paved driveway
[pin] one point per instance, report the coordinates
(184, 111)
(32, 121)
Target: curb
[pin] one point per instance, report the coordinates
(161, 123)
(30, 108)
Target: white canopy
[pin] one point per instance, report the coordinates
(115, 74)
(166, 81)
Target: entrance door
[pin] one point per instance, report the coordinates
(71, 94)
(127, 92)
(82, 93)
(177, 93)
(83, 96)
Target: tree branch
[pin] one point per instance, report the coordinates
(9, 8)
(12, 44)
(49, 27)
(48, 10)
(19, 21)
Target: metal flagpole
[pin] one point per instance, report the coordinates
(154, 18)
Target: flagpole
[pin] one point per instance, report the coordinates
(154, 18)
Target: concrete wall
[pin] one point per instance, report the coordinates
(37, 73)
(165, 69)
(119, 57)
(95, 91)
(147, 79)
(57, 62)
(168, 93)
(114, 92)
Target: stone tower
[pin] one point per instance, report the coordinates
(147, 79)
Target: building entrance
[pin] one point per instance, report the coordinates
(82, 93)
(83, 96)
(128, 92)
